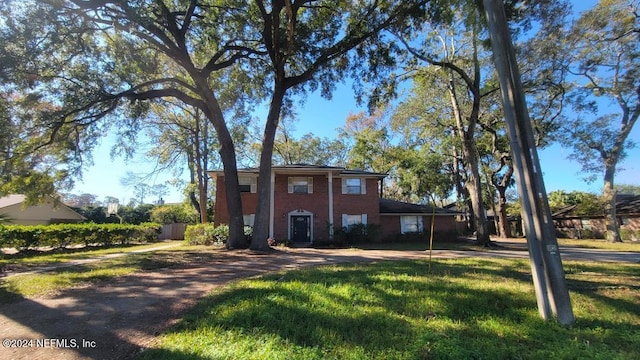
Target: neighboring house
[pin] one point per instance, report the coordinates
(48, 212)
(308, 203)
(570, 225)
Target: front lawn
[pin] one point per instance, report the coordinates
(462, 309)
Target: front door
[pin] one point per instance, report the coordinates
(301, 228)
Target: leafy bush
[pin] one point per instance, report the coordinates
(200, 234)
(630, 235)
(170, 214)
(24, 237)
(357, 234)
(221, 234)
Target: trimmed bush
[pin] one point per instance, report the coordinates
(170, 214)
(24, 237)
(630, 235)
(357, 234)
(200, 234)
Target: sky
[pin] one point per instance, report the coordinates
(322, 117)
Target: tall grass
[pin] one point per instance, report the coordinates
(462, 309)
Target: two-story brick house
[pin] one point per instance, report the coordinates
(307, 202)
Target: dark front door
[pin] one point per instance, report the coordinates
(301, 228)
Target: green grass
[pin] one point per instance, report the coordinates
(50, 282)
(53, 281)
(601, 244)
(25, 260)
(463, 309)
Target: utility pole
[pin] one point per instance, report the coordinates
(546, 266)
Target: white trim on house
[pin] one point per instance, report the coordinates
(272, 205)
(300, 212)
(408, 225)
(330, 191)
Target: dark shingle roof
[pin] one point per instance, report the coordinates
(388, 206)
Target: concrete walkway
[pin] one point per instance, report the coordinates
(117, 319)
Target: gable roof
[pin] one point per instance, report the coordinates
(12, 199)
(393, 207)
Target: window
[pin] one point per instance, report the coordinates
(249, 219)
(586, 224)
(351, 220)
(411, 224)
(354, 186)
(300, 185)
(248, 184)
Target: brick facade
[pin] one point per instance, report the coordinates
(302, 202)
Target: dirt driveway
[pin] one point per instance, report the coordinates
(117, 319)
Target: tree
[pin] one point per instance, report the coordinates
(114, 61)
(604, 64)
(628, 189)
(309, 149)
(585, 203)
(223, 55)
(462, 65)
(183, 136)
(308, 46)
(369, 140)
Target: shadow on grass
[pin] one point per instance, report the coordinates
(461, 309)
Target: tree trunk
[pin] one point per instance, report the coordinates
(475, 191)
(609, 197)
(213, 112)
(261, 224)
(501, 210)
(470, 154)
(501, 187)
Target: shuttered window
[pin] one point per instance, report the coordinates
(300, 185)
(248, 184)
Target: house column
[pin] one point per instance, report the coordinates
(330, 179)
(272, 203)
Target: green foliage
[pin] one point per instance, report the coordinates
(169, 214)
(205, 234)
(629, 235)
(585, 203)
(453, 309)
(136, 215)
(357, 234)
(23, 237)
(628, 189)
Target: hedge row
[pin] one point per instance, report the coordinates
(23, 237)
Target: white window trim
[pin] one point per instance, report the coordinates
(363, 219)
(252, 181)
(249, 219)
(292, 179)
(363, 186)
(403, 223)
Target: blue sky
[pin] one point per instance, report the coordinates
(322, 117)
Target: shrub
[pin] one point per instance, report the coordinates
(200, 234)
(24, 237)
(629, 235)
(221, 234)
(169, 214)
(357, 234)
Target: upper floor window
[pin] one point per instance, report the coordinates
(248, 183)
(300, 185)
(354, 186)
